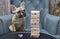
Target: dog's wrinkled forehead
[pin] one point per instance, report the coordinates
(20, 9)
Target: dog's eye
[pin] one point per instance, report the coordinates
(23, 11)
(18, 11)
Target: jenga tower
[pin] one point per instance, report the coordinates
(35, 29)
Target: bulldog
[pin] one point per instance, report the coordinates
(18, 19)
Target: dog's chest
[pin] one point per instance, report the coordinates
(20, 20)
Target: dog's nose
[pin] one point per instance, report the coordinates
(22, 14)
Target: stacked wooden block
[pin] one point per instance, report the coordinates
(35, 29)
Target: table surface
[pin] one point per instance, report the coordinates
(26, 35)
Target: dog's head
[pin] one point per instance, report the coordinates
(20, 11)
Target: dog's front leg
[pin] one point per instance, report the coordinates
(12, 28)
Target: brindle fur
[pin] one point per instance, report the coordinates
(18, 24)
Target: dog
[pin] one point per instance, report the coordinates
(18, 19)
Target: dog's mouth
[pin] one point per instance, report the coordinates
(21, 14)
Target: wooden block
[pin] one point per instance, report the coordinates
(35, 25)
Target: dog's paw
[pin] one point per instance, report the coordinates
(12, 28)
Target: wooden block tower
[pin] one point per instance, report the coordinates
(35, 28)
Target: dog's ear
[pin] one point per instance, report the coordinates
(22, 5)
(12, 8)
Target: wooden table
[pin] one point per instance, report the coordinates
(26, 35)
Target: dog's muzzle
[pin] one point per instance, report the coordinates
(21, 14)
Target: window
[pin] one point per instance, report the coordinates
(54, 7)
(4, 7)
